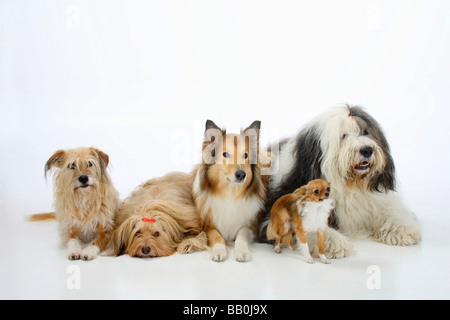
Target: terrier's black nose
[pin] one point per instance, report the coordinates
(366, 151)
(240, 175)
(83, 179)
(145, 250)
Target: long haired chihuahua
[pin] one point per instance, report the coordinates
(85, 200)
(305, 210)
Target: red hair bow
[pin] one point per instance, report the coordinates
(149, 220)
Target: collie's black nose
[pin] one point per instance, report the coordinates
(83, 179)
(145, 250)
(366, 151)
(240, 175)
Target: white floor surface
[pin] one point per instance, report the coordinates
(34, 266)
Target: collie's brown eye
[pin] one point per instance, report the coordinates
(226, 155)
(156, 234)
(71, 166)
(89, 164)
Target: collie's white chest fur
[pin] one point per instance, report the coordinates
(230, 215)
(315, 215)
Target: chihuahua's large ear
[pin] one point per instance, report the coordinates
(56, 160)
(305, 190)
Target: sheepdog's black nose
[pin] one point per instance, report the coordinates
(145, 250)
(83, 179)
(366, 151)
(240, 175)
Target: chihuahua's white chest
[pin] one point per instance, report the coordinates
(315, 215)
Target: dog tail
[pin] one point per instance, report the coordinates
(38, 217)
(271, 232)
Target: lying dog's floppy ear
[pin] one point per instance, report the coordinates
(56, 160)
(120, 236)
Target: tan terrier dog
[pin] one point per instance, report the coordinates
(85, 200)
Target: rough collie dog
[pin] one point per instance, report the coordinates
(85, 200)
(347, 147)
(158, 219)
(229, 191)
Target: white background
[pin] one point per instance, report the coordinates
(138, 79)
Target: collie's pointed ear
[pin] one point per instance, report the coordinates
(213, 137)
(56, 160)
(213, 132)
(211, 125)
(255, 125)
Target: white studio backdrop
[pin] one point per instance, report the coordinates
(138, 79)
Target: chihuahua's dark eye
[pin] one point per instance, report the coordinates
(71, 166)
(156, 234)
(226, 155)
(89, 164)
(328, 189)
(316, 192)
(245, 156)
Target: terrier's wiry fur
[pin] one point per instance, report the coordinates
(85, 200)
(159, 219)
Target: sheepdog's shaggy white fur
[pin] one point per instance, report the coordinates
(348, 148)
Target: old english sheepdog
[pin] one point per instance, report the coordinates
(346, 147)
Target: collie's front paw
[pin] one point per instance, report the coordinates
(242, 254)
(219, 252)
(309, 260)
